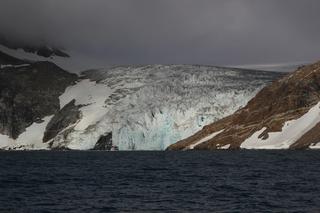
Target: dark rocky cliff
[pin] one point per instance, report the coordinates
(29, 92)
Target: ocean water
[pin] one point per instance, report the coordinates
(197, 181)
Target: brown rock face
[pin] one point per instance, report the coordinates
(286, 99)
(310, 138)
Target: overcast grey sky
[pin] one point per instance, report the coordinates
(218, 32)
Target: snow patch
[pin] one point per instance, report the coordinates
(212, 135)
(290, 133)
(227, 146)
(30, 139)
(315, 146)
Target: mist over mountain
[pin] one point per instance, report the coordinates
(233, 32)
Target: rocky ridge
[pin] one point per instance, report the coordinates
(282, 115)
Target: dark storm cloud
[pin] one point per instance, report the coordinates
(171, 31)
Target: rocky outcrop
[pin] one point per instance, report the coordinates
(28, 93)
(67, 116)
(285, 100)
(104, 142)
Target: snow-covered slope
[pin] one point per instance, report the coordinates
(151, 107)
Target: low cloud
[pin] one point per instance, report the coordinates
(215, 32)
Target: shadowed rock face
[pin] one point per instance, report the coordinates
(7, 59)
(67, 116)
(104, 142)
(286, 99)
(29, 93)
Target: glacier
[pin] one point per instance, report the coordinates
(150, 107)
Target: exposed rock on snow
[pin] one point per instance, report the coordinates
(289, 134)
(104, 142)
(66, 117)
(28, 94)
(283, 115)
(30, 139)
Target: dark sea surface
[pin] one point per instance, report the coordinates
(220, 181)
